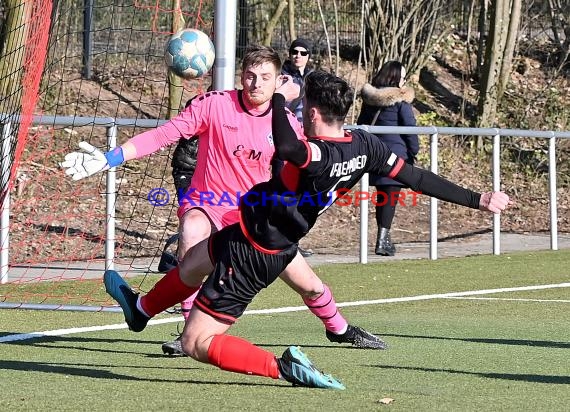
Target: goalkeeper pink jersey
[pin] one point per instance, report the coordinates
(235, 150)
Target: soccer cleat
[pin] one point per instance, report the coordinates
(358, 337)
(126, 298)
(173, 348)
(295, 367)
(168, 260)
(305, 252)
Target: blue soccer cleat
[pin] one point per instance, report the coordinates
(296, 368)
(126, 298)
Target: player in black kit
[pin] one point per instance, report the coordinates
(247, 257)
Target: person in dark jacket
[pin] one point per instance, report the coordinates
(297, 66)
(387, 102)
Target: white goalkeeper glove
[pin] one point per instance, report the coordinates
(79, 165)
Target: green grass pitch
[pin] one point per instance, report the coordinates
(495, 351)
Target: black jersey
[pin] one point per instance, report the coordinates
(278, 213)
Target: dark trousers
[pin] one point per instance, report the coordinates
(386, 200)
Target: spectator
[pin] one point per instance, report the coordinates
(387, 102)
(297, 67)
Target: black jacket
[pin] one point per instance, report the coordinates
(393, 105)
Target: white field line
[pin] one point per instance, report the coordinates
(61, 332)
(512, 299)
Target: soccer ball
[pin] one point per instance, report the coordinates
(189, 53)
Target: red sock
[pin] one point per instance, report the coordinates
(166, 293)
(234, 354)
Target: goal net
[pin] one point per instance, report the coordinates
(97, 74)
(104, 81)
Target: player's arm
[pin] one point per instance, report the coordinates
(428, 183)
(288, 147)
(187, 124)
(91, 160)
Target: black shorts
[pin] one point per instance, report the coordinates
(240, 272)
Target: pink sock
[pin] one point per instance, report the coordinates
(187, 305)
(324, 307)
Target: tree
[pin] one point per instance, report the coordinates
(402, 30)
(291, 19)
(482, 28)
(272, 23)
(13, 43)
(559, 14)
(175, 82)
(499, 51)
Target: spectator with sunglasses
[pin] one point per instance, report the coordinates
(297, 66)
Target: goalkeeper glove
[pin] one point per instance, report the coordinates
(79, 165)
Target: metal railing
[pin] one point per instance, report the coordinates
(496, 134)
(112, 125)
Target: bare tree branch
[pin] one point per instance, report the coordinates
(292, 32)
(326, 32)
(272, 23)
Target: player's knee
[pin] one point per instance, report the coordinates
(194, 225)
(190, 347)
(188, 239)
(191, 267)
(313, 292)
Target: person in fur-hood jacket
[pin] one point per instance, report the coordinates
(387, 102)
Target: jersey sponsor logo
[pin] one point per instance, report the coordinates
(349, 166)
(230, 128)
(252, 154)
(316, 154)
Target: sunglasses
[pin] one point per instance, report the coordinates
(295, 52)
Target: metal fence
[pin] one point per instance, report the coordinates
(112, 126)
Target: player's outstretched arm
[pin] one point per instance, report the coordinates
(91, 160)
(430, 184)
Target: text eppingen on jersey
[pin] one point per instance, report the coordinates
(341, 197)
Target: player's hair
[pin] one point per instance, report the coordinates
(330, 94)
(389, 75)
(257, 54)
